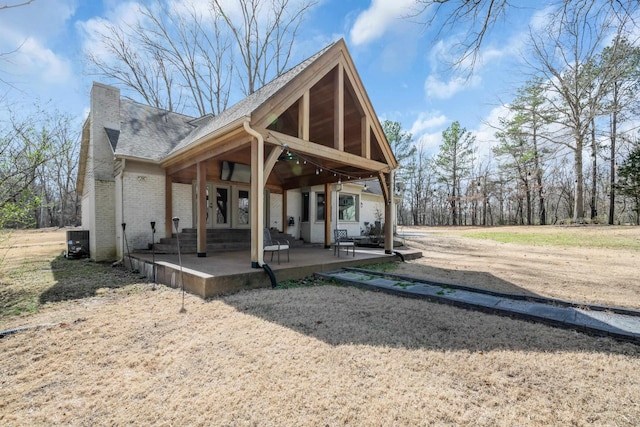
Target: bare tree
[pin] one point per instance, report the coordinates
(181, 57)
(564, 56)
(621, 100)
(264, 35)
(5, 56)
(11, 6)
(175, 59)
(480, 16)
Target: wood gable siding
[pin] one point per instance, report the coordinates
(328, 112)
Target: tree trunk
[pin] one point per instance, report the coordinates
(612, 165)
(594, 172)
(536, 158)
(578, 205)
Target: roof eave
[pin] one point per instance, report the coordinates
(215, 134)
(137, 159)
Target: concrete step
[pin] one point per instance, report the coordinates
(218, 240)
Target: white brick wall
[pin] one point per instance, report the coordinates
(103, 237)
(182, 204)
(98, 206)
(294, 209)
(105, 113)
(143, 197)
(275, 215)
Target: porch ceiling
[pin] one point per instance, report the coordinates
(290, 171)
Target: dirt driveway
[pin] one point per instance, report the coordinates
(584, 272)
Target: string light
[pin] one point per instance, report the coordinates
(319, 167)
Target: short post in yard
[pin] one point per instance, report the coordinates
(176, 224)
(153, 249)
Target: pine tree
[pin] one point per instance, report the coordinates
(454, 163)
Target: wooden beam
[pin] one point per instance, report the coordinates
(168, 206)
(365, 137)
(206, 153)
(383, 185)
(285, 218)
(327, 215)
(256, 202)
(389, 217)
(303, 116)
(271, 160)
(322, 152)
(264, 115)
(363, 99)
(338, 109)
(202, 210)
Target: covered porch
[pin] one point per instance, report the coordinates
(313, 126)
(229, 272)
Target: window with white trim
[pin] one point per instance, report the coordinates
(348, 207)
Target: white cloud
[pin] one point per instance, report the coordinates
(28, 33)
(123, 15)
(375, 21)
(439, 89)
(43, 62)
(485, 132)
(426, 121)
(430, 142)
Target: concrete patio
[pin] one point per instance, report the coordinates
(228, 272)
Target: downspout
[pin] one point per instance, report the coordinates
(260, 190)
(124, 161)
(260, 212)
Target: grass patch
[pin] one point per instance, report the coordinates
(384, 267)
(403, 285)
(26, 288)
(305, 282)
(560, 237)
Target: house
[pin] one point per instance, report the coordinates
(289, 156)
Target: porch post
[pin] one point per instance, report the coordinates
(202, 209)
(338, 109)
(168, 206)
(389, 220)
(327, 215)
(257, 202)
(285, 218)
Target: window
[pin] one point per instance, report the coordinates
(347, 208)
(305, 207)
(243, 207)
(319, 206)
(222, 210)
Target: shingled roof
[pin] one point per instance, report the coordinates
(147, 132)
(151, 133)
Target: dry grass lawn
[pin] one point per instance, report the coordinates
(322, 355)
(586, 264)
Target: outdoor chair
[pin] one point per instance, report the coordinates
(342, 240)
(272, 246)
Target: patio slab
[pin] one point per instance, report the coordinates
(228, 272)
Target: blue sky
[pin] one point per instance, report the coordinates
(402, 63)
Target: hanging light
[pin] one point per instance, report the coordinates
(365, 188)
(317, 171)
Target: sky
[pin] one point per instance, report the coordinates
(402, 62)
